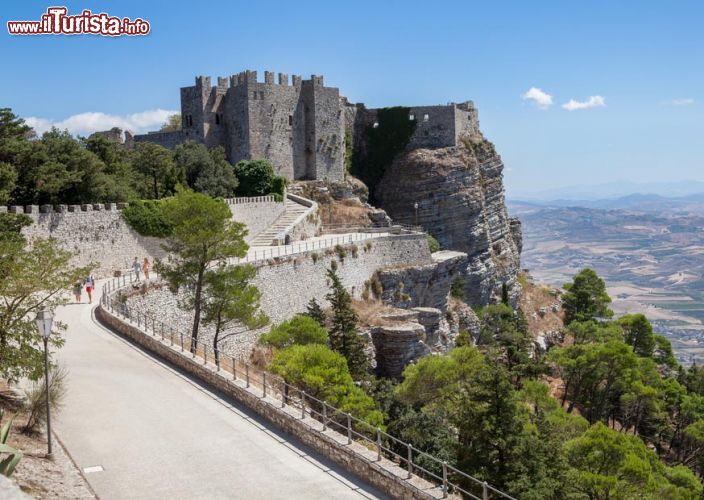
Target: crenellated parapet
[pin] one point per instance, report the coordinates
(60, 209)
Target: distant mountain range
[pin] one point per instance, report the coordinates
(637, 202)
(612, 190)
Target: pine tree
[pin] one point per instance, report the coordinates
(344, 337)
(316, 312)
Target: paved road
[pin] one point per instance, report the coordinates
(159, 434)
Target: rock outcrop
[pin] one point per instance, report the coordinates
(459, 194)
(426, 285)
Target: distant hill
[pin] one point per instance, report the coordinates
(612, 190)
(636, 202)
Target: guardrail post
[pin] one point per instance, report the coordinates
(263, 384)
(444, 479)
(485, 491)
(181, 341)
(284, 391)
(205, 354)
(234, 368)
(349, 428)
(410, 460)
(246, 373)
(378, 444)
(325, 416)
(171, 335)
(216, 353)
(303, 404)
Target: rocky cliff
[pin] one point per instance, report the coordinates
(460, 201)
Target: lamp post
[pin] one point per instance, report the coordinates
(44, 320)
(415, 206)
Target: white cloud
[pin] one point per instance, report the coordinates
(594, 101)
(541, 99)
(87, 123)
(682, 101)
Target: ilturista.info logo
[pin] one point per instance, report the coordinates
(57, 21)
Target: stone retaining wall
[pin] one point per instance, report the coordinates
(256, 213)
(355, 458)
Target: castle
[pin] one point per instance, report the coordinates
(301, 126)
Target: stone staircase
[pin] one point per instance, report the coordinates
(292, 212)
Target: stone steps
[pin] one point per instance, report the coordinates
(292, 212)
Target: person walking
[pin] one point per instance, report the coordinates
(90, 286)
(78, 290)
(136, 267)
(145, 268)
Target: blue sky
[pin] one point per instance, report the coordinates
(644, 61)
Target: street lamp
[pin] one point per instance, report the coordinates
(415, 206)
(44, 320)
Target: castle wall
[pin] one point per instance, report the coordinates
(329, 133)
(168, 140)
(95, 236)
(275, 120)
(289, 282)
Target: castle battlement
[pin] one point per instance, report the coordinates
(300, 126)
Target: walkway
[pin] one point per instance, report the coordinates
(158, 434)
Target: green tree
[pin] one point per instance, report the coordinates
(586, 298)
(255, 177)
(120, 179)
(316, 312)
(8, 178)
(34, 277)
(344, 337)
(203, 236)
(605, 464)
(229, 298)
(595, 375)
(218, 177)
(156, 163)
(172, 124)
(299, 330)
(638, 333)
(323, 374)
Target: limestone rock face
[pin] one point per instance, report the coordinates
(426, 285)
(460, 196)
(398, 345)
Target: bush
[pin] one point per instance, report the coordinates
(457, 288)
(433, 243)
(323, 374)
(256, 177)
(147, 218)
(299, 330)
(35, 397)
(278, 185)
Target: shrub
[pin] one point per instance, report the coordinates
(256, 177)
(147, 218)
(377, 287)
(433, 243)
(457, 288)
(7, 464)
(299, 330)
(278, 185)
(35, 397)
(341, 253)
(333, 265)
(323, 373)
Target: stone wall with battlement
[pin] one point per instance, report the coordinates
(298, 126)
(97, 233)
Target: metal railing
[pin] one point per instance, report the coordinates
(319, 415)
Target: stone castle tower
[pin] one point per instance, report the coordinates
(299, 126)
